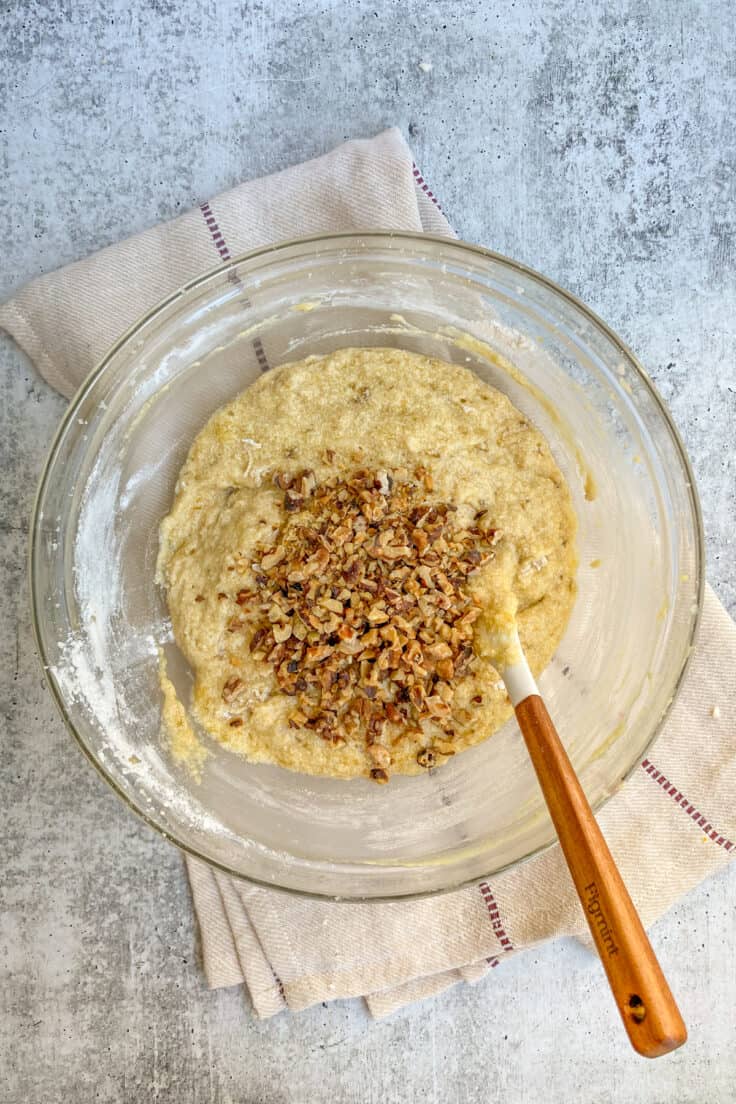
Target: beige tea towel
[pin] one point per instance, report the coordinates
(671, 825)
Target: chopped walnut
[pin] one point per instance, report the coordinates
(361, 606)
(231, 688)
(380, 755)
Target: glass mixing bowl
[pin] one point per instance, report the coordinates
(101, 620)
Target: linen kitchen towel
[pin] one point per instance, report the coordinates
(671, 825)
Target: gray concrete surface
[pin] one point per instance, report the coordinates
(595, 141)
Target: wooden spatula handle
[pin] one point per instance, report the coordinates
(651, 1016)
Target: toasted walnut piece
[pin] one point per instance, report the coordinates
(333, 604)
(380, 755)
(418, 696)
(307, 483)
(258, 638)
(444, 691)
(467, 619)
(436, 707)
(231, 688)
(446, 669)
(272, 559)
(281, 632)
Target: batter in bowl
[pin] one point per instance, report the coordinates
(337, 531)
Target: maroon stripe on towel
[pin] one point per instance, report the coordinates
(260, 354)
(215, 231)
(420, 182)
(495, 917)
(689, 810)
(280, 985)
(218, 240)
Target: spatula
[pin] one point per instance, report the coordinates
(648, 1009)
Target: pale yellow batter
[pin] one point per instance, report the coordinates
(337, 531)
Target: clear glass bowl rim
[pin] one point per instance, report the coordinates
(216, 273)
